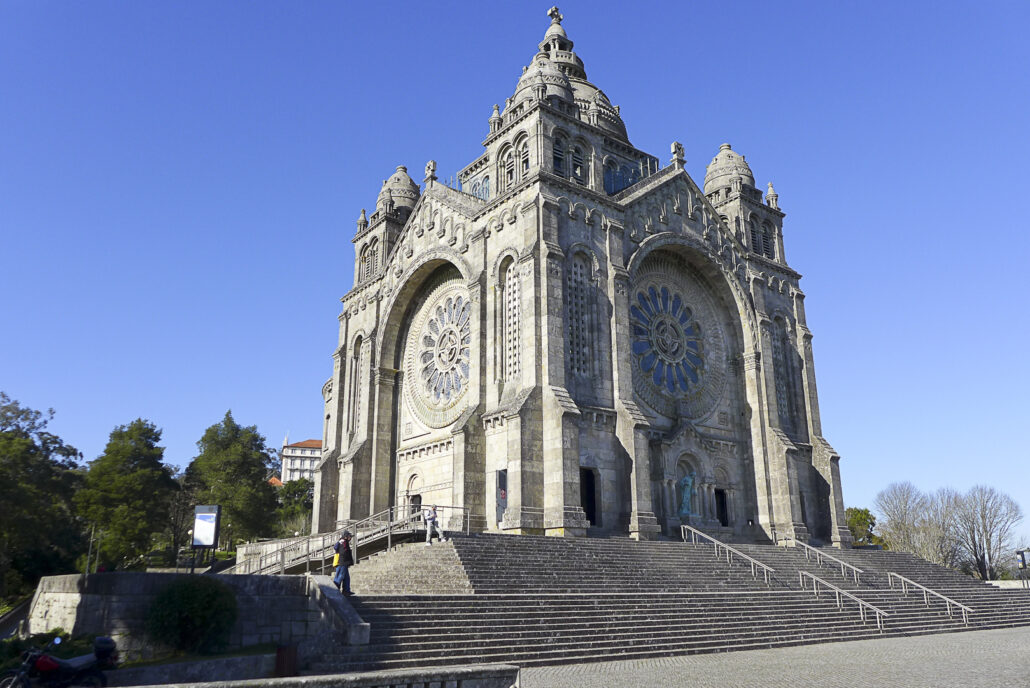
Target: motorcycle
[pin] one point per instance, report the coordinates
(40, 670)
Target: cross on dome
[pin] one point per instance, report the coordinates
(555, 15)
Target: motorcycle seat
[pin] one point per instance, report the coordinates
(77, 663)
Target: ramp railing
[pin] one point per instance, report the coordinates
(906, 582)
(840, 593)
(820, 555)
(721, 548)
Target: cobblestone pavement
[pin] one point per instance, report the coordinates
(971, 659)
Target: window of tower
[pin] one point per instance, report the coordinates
(523, 152)
(578, 323)
(578, 172)
(510, 303)
(509, 170)
(559, 156)
(611, 175)
(767, 242)
(756, 238)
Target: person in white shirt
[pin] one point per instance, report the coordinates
(429, 516)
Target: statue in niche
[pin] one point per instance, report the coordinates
(686, 486)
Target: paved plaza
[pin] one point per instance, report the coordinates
(976, 658)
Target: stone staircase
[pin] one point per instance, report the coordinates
(534, 600)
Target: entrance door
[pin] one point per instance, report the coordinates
(720, 508)
(416, 506)
(588, 494)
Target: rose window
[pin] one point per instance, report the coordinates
(445, 351)
(677, 343)
(667, 340)
(438, 356)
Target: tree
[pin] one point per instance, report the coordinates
(986, 521)
(901, 506)
(936, 537)
(39, 534)
(127, 492)
(861, 523)
(230, 470)
(295, 502)
(180, 512)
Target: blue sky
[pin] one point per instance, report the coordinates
(179, 184)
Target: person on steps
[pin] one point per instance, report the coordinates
(429, 516)
(343, 560)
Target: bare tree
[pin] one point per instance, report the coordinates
(986, 521)
(901, 506)
(937, 538)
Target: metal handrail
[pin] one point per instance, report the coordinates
(730, 551)
(862, 604)
(820, 555)
(905, 582)
(318, 547)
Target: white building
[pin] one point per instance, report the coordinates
(300, 459)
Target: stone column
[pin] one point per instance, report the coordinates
(563, 513)
(631, 424)
(382, 446)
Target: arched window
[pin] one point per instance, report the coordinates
(510, 314)
(756, 238)
(485, 189)
(578, 171)
(611, 176)
(369, 258)
(354, 393)
(508, 169)
(577, 298)
(559, 156)
(767, 241)
(523, 155)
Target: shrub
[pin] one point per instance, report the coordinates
(193, 614)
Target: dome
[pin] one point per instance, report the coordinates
(591, 99)
(726, 165)
(403, 191)
(543, 72)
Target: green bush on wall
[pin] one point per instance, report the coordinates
(194, 614)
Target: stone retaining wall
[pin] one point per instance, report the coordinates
(272, 609)
(473, 676)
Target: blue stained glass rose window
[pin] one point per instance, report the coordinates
(666, 339)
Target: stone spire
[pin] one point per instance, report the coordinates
(362, 222)
(772, 199)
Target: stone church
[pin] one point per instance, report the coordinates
(578, 339)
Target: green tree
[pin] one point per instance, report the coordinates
(39, 475)
(231, 472)
(294, 512)
(127, 492)
(861, 523)
(180, 513)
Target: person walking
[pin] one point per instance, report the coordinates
(343, 559)
(430, 517)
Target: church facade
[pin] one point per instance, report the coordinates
(579, 339)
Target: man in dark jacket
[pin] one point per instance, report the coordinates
(344, 560)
